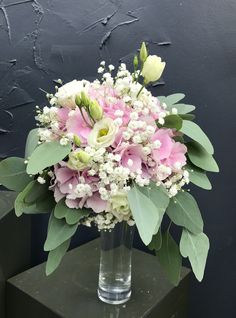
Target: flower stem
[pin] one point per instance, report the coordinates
(141, 90)
(168, 229)
(81, 111)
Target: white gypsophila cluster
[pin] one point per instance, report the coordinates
(48, 123)
(82, 190)
(41, 180)
(175, 183)
(104, 221)
(47, 115)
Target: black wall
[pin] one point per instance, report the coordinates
(50, 39)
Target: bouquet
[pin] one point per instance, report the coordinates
(109, 151)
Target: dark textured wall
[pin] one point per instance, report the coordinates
(50, 39)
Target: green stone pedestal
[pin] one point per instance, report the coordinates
(14, 243)
(71, 292)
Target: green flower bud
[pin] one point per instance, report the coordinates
(77, 140)
(135, 62)
(78, 100)
(85, 99)
(78, 160)
(83, 157)
(143, 52)
(95, 110)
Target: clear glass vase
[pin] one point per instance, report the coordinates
(114, 286)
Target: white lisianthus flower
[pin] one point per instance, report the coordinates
(153, 68)
(67, 93)
(103, 133)
(119, 206)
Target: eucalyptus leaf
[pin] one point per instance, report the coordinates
(144, 212)
(55, 256)
(58, 232)
(171, 101)
(200, 157)
(173, 121)
(160, 198)
(183, 210)
(187, 116)
(179, 139)
(196, 248)
(174, 98)
(42, 204)
(72, 216)
(198, 177)
(156, 242)
(46, 155)
(182, 108)
(37, 192)
(193, 131)
(13, 174)
(31, 142)
(7, 199)
(162, 99)
(170, 258)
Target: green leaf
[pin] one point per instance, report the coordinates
(170, 258)
(37, 192)
(7, 199)
(196, 248)
(200, 157)
(183, 210)
(156, 242)
(144, 212)
(173, 121)
(13, 175)
(179, 139)
(160, 198)
(198, 177)
(55, 257)
(171, 101)
(193, 131)
(46, 155)
(72, 216)
(174, 98)
(182, 108)
(187, 116)
(31, 142)
(42, 204)
(58, 232)
(162, 99)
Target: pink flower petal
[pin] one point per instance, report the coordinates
(72, 204)
(96, 203)
(76, 125)
(64, 174)
(164, 136)
(134, 154)
(177, 155)
(58, 195)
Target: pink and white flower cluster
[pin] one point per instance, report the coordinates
(117, 133)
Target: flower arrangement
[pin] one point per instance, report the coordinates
(108, 151)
